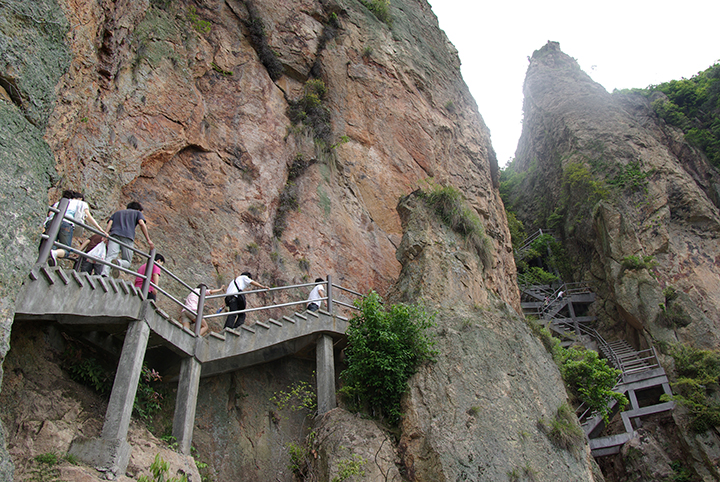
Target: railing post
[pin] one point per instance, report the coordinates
(47, 244)
(149, 267)
(200, 307)
(329, 295)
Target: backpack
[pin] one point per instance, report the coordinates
(230, 298)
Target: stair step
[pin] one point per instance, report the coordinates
(175, 322)
(260, 323)
(46, 273)
(301, 316)
(89, 280)
(288, 319)
(163, 314)
(63, 277)
(114, 285)
(78, 279)
(246, 328)
(312, 313)
(275, 322)
(103, 284)
(219, 336)
(232, 331)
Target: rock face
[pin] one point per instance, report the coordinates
(45, 411)
(477, 413)
(624, 185)
(169, 103)
(618, 185)
(203, 111)
(27, 77)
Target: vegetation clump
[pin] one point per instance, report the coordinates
(449, 204)
(673, 314)
(542, 261)
(289, 196)
(589, 378)
(385, 348)
(259, 41)
(581, 190)
(200, 25)
(638, 262)
(159, 470)
(300, 396)
(693, 105)
(302, 456)
(350, 467)
(697, 385)
(563, 430)
(311, 112)
(632, 177)
(88, 371)
(381, 10)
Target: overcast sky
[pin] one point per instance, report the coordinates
(620, 44)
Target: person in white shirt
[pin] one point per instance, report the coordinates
(77, 209)
(316, 296)
(235, 299)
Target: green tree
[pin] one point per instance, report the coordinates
(589, 378)
(385, 348)
(697, 386)
(693, 105)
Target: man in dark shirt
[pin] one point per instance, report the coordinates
(121, 226)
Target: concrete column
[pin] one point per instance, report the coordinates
(325, 370)
(111, 452)
(186, 403)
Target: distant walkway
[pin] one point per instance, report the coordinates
(563, 308)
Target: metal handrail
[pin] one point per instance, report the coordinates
(49, 240)
(530, 239)
(62, 208)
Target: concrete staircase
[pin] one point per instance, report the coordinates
(94, 305)
(642, 378)
(105, 310)
(642, 381)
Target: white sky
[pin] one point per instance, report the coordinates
(620, 44)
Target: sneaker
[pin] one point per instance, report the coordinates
(52, 260)
(114, 271)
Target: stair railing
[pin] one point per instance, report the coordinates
(647, 357)
(520, 252)
(49, 241)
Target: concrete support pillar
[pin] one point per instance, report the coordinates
(111, 452)
(186, 403)
(325, 370)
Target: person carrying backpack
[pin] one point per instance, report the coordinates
(235, 299)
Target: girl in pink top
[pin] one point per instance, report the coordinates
(191, 305)
(155, 278)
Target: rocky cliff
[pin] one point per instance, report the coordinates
(618, 182)
(637, 208)
(277, 137)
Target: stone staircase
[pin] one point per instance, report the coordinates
(105, 310)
